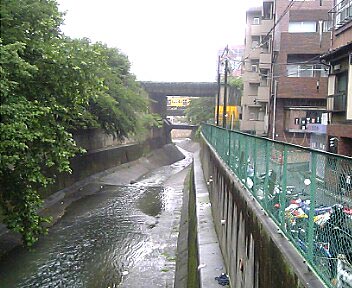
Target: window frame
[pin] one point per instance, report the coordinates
(301, 26)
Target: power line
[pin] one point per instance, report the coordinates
(286, 63)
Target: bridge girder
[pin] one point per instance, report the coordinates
(190, 89)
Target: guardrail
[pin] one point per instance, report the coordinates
(308, 193)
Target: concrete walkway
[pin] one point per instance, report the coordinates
(211, 262)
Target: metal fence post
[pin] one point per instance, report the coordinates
(237, 155)
(281, 217)
(254, 192)
(246, 159)
(266, 181)
(312, 206)
(229, 148)
(211, 134)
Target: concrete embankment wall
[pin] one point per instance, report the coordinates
(187, 274)
(255, 253)
(102, 153)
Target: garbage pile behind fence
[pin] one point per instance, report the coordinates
(308, 194)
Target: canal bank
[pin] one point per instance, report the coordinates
(56, 204)
(155, 215)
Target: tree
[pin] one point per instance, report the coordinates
(236, 82)
(200, 110)
(30, 140)
(52, 85)
(124, 105)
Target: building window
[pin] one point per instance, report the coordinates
(343, 12)
(302, 27)
(253, 113)
(256, 21)
(306, 70)
(267, 10)
(327, 26)
(255, 41)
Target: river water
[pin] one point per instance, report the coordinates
(103, 238)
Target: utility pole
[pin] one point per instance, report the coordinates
(224, 111)
(218, 96)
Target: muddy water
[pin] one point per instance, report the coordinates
(101, 238)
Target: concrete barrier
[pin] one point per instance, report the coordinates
(255, 253)
(95, 161)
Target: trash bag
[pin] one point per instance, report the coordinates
(223, 279)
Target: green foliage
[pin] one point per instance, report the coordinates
(51, 84)
(144, 123)
(200, 110)
(236, 82)
(30, 141)
(120, 108)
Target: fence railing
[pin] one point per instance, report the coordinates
(307, 193)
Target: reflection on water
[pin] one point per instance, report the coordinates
(151, 202)
(99, 238)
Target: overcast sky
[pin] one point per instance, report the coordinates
(165, 40)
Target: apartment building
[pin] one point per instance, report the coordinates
(257, 70)
(339, 93)
(284, 82)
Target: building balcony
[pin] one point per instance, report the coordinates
(246, 125)
(256, 126)
(263, 93)
(265, 60)
(337, 102)
(251, 77)
(341, 13)
(304, 43)
(249, 100)
(263, 28)
(302, 87)
(260, 127)
(253, 53)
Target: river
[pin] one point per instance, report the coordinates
(122, 236)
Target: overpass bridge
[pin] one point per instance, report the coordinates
(180, 126)
(158, 92)
(191, 89)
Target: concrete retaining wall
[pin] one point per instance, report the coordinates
(255, 253)
(99, 160)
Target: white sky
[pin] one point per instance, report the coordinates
(165, 40)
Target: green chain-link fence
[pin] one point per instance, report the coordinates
(308, 194)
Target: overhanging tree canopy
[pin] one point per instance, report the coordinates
(51, 85)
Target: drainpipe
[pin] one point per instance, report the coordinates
(274, 108)
(272, 81)
(320, 33)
